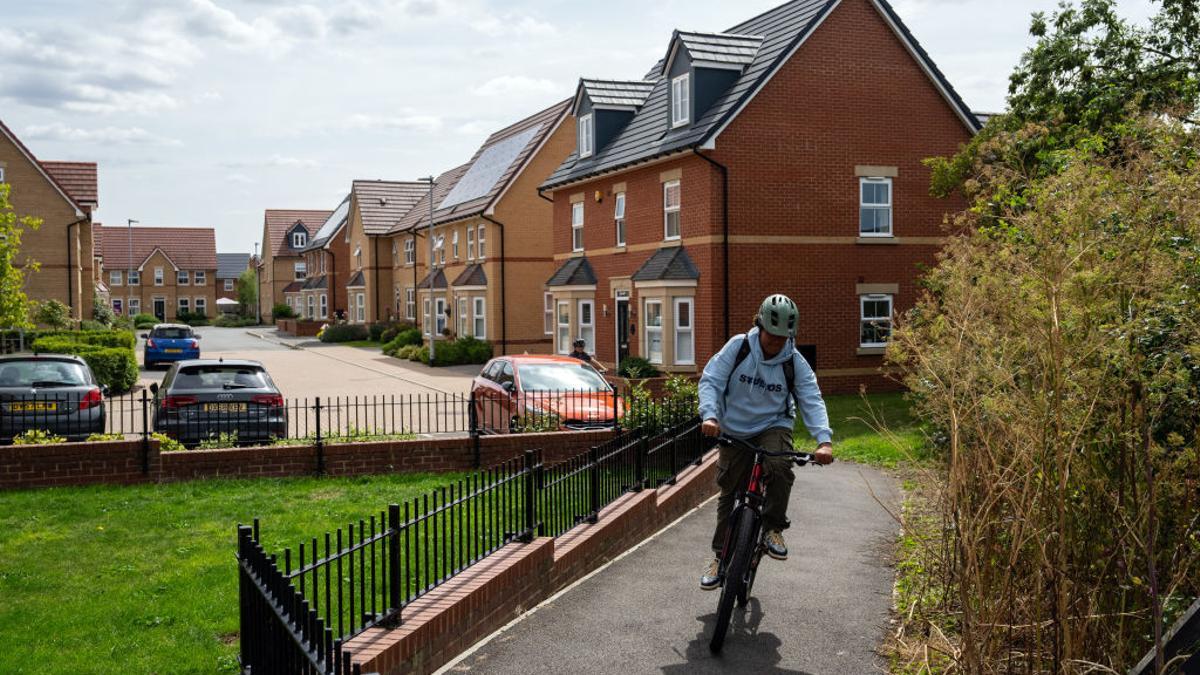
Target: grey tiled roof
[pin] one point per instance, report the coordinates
(231, 265)
(649, 134)
(727, 48)
(472, 276)
(668, 264)
(315, 284)
(294, 287)
(623, 93)
(439, 280)
(574, 272)
(356, 281)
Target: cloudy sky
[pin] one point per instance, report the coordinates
(206, 112)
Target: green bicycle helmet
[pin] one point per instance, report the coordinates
(778, 316)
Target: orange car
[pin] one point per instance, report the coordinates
(543, 392)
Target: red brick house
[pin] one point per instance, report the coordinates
(783, 155)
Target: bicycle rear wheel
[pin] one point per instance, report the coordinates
(735, 575)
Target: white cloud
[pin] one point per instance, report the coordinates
(100, 135)
(239, 178)
(499, 25)
(403, 122)
(280, 161)
(516, 85)
(477, 127)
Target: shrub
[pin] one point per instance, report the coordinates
(234, 322)
(344, 332)
(396, 328)
(192, 318)
(283, 310)
(167, 444)
(636, 367)
(101, 438)
(52, 313)
(89, 325)
(145, 321)
(109, 355)
(220, 441)
(101, 312)
(411, 336)
(37, 437)
(463, 351)
(101, 338)
(375, 331)
(123, 323)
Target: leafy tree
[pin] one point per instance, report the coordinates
(102, 312)
(247, 292)
(14, 303)
(52, 313)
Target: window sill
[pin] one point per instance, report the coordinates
(877, 240)
(619, 248)
(871, 351)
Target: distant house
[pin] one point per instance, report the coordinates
(366, 274)
(323, 294)
(490, 239)
(159, 270)
(230, 266)
(783, 155)
(64, 196)
(285, 235)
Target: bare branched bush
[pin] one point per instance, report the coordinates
(1057, 354)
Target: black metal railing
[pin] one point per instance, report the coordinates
(1180, 647)
(298, 619)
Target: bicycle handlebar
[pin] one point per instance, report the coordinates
(800, 458)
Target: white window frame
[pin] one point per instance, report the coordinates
(481, 241)
(863, 318)
(358, 257)
(863, 206)
(299, 239)
(470, 243)
(114, 278)
(182, 278)
(426, 316)
(648, 330)
(410, 252)
(300, 271)
(463, 318)
(312, 303)
(548, 313)
(688, 331)
(117, 305)
(681, 100)
(563, 335)
(134, 278)
(360, 307)
(410, 303)
(479, 317)
(677, 209)
(159, 277)
(1, 174)
(184, 304)
(577, 227)
(228, 285)
(454, 243)
(439, 319)
(134, 306)
(199, 278)
(619, 218)
(323, 305)
(587, 331)
(200, 305)
(587, 136)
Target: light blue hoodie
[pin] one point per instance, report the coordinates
(756, 398)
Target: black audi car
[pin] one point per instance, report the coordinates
(55, 393)
(207, 399)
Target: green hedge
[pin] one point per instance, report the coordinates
(145, 321)
(464, 350)
(283, 311)
(110, 355)
(412, 336)
(344, 332)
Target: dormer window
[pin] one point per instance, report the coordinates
(587, 136)
(681, 100)
(299, 239)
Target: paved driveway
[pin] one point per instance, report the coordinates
(822, 612)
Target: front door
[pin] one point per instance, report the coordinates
(160, 308)
(622, 329)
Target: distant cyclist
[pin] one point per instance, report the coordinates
(580, 352)
(747, 392)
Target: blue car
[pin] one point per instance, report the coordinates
(170, 342)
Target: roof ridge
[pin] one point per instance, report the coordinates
(748, 36)
(521, 124)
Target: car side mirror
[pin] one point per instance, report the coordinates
(197, 337)
(154, 388)
(104, 390)
(508, 386)
(145, 336)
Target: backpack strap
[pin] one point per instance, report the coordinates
(789, 376)
(743, 352)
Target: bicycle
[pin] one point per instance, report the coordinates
(745, 538)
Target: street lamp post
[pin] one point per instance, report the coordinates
(129, 271)
(257, 288)
(429, 317)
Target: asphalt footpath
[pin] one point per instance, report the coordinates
(823, 611)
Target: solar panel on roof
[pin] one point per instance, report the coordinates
(491, 165)
(335, 219)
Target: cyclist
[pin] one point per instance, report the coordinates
(580, 352)
(747, 392)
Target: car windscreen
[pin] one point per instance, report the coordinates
(171, 333)
(560, 377)
(43, 373)
(221, 377)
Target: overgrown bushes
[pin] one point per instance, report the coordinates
(192, 318)
(406, 338)
(463, 351)
(636, 367)
(109, 354)
(144, 321)
(344, 332)
(283, 310)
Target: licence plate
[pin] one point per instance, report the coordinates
(225, 407)
(34, 406)
(173, 351)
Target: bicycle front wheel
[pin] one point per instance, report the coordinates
(735, 575)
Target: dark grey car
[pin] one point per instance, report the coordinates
(55, 393)
(207, 399)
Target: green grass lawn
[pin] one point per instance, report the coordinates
(362, 343)
(142, 579)
(856, 422)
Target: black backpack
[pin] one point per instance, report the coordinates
(789, 375)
